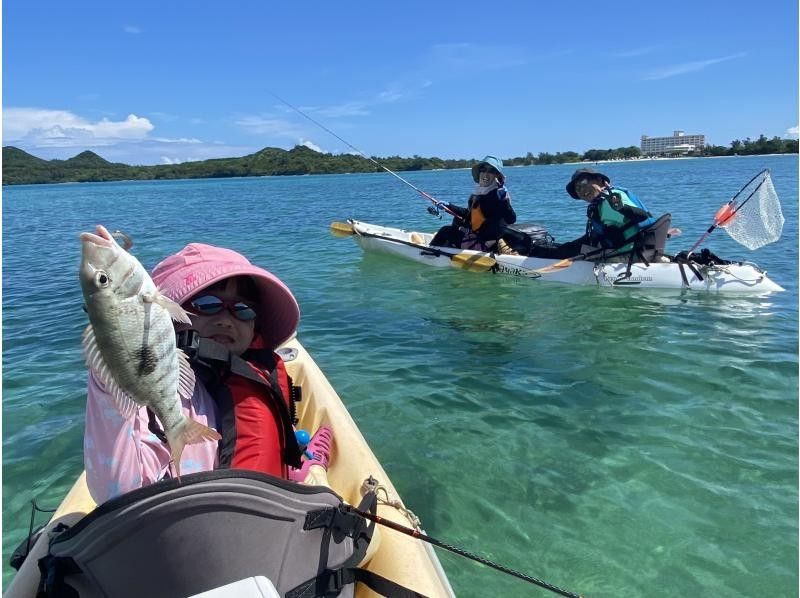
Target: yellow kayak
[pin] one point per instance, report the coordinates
(393, 555)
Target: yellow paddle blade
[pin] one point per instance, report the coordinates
(555, 267)
(342, 229)
(475, 262)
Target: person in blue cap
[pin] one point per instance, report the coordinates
(480, 225)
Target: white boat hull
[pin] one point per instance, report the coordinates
(738, 277)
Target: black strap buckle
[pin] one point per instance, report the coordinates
(189, 341)
(334, 581)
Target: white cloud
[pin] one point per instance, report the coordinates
(312, 145)
(633, 53)
(132, 29)
(470, 58)
(132, 127)
(268, 125)
(687, 67)
(182, 140)
(343, 110)
(38, 126)
(390, 95)
(792, 132)
(61, 134)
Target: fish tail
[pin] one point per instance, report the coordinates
(190, 432)
(176, 465)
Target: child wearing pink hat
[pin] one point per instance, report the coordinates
(240, 313)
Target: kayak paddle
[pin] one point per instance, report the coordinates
(567, 262)
(342, 229)
(475, 262)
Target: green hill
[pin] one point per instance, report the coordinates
(88, 159)
(20, 167)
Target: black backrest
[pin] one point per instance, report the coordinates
(179, 538)
(652, 239)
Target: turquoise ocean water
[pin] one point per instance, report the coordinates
(613, 442)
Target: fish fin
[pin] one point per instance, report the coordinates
(177, 466)
(186, 380)
(194, 432)
(188, 432)
(94, 361)
(173, 309)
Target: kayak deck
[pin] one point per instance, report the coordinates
(400, 558)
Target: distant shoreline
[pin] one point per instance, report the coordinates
(626, 161)
(650, 159)
(21, 168)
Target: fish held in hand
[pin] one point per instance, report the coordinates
(130, 341)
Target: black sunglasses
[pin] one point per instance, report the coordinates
(211, 305)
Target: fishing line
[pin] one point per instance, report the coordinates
(127, 242)
(436, 202)
(459, 551)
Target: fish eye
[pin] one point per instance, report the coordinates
(101, 279)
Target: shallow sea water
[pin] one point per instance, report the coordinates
(614, 442)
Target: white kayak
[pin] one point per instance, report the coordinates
(733, 277)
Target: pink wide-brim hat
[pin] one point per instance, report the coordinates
(198, 266)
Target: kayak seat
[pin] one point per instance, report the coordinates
(650, 241)
(648, 245)
(607, 256)
(183, 537)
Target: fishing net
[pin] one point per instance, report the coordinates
(757, 218)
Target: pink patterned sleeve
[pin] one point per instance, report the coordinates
(123, 454)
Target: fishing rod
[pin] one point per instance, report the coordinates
(436, 202)
(459, 551)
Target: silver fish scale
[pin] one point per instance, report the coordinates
(130, 343)
(136, 339)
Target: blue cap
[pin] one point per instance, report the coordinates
(495, 163)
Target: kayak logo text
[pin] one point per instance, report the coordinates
(518, 271)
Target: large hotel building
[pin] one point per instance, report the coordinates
(679, 143)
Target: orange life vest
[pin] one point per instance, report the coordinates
(476, 216)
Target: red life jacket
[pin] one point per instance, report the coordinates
(255, 401)
(253, 413)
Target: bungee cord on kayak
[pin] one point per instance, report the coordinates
(24, 549)
(437, 205)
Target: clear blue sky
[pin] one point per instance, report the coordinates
(157, 82)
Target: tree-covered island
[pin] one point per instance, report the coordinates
(20, 167)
